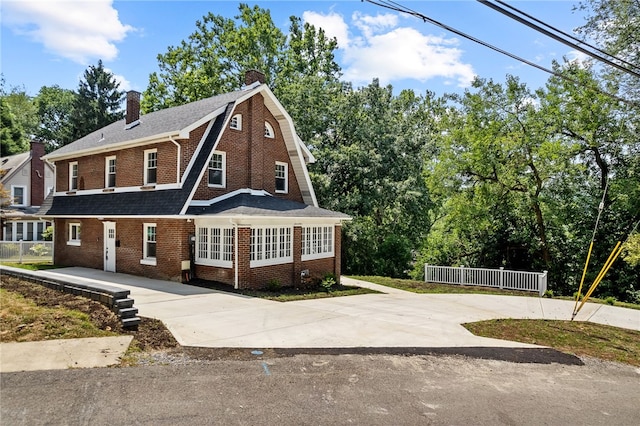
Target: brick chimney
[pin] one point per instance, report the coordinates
(133, 106)
(252, 76)
(37, 173)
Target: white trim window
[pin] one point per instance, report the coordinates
(214, 246)
(317, 242)
(18, 195)
(74, 234)
(217, 170)
(149, 244)
(73, 176)
(270, 246)
(236, 122)
(282, 184)
(110, 172)
(150, 166)
(268, 130)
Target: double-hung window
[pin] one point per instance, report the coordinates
(149, 244)
(73, 176)
(18, 195)
(214, 246)
(217, 170)
(270, 246)
(110, 172)
(281, 177)
(74, 234)
(317, 242)
(151, 166)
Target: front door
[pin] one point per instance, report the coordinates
(110, 246)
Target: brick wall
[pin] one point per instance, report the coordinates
(287, 274)
(251, 157)
(172, 246)
(37, 174)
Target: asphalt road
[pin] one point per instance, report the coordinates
(326, 389)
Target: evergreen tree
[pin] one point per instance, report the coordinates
(97, 103)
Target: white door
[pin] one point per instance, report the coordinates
(110, 246)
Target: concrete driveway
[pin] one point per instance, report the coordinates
(207, 318)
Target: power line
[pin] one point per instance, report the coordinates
(392, 5)
(556, 37)
(533, 18)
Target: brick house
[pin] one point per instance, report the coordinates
(27, 179)
(216, 189)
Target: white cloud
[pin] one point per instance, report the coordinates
(377, 47)
(333, 25)
(76, 30)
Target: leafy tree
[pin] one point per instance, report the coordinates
(12, 136)
(370, 165)
(214, 58)
(632, 250)
(308, 78)
(55, 109)
(615, 25)
(97, 103)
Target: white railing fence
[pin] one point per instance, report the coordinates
(499, 278)
(26, 251)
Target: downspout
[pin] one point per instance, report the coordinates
(235, 255)
(178, 160)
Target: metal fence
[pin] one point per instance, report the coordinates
(26, 251)
(499, 278)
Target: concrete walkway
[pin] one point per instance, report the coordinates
(207, 318)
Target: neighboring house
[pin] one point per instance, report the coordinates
(216, 189)
(26, 179)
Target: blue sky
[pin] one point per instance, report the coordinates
(47, 42)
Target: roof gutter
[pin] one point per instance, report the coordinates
(164, 137)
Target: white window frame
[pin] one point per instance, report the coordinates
(223, 169)
(236, 122)
(214, 246)
(107, 171)
(147, 153)
(146, 259)
(286, 177)
(317, 242)
(75, 234)
(13, 195)
(268, 130)
(270, 245)
(73, 186)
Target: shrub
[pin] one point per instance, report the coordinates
(328, 282)
(39, 250)
(610, 300)
(548, 294)
(273, 285)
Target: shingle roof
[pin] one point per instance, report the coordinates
(155, 123)
(11, 162)
(263, 205)
(138, 203)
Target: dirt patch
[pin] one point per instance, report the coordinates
(151, 334)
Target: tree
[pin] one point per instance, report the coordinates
(615, 25)
(490, 178)
(214, 58)
(370, 165)
(97, 103)
(12, 136)
(55, 109)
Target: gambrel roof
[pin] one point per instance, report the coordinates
(162, 126)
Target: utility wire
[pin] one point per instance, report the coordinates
(396, 7)
(556, 37)
(597, 49)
